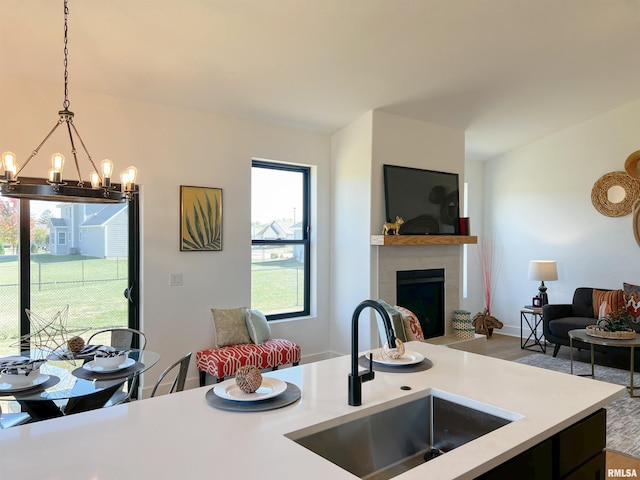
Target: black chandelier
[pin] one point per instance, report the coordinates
(102, 190)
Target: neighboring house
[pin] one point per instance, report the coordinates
(274, 231)
(93, 230)
(58, 236)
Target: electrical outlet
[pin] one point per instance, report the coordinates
(175, 279)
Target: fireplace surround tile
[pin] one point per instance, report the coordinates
(391, 259)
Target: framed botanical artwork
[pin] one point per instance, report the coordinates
(200, 219)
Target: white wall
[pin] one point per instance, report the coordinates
(359, 151)
(173, 147)
(350, 207)
(538, 206)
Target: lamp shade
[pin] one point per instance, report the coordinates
(543, 270)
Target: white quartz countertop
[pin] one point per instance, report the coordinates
(182, 436)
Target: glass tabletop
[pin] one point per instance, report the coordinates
(68, 379)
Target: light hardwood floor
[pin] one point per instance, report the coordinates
(507, 347)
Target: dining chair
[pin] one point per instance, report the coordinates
(181, 375)
(8, 420)
(120, 338)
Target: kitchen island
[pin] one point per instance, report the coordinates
(182, 436)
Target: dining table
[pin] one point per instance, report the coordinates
(68, 384)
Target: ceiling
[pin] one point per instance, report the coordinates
(507, 72)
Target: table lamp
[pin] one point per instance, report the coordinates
(543, 270)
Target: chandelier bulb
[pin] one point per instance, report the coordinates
(9, 164)
(95, 180)
(57, 162)
(57, 165)
(133, 174)
(107, 171)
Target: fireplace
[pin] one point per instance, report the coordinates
(389, 260)
(422, 292)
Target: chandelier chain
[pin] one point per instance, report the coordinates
(66, 102)
(55, 187)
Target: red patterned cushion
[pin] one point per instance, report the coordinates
(412, 328)
(225, 361)
(632, 301)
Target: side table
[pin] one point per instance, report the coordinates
(532, 318)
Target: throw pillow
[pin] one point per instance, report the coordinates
(230, 326)
(258, 327)
(632, 301)
(412, 328)
(396, 323)
(614, 298)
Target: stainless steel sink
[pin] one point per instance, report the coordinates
(389, 439)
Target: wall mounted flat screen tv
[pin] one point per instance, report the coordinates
(427, 200)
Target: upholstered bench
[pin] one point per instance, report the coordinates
(225, 361)
(243, 337)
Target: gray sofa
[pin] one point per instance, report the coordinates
(558, 319)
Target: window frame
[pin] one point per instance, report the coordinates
(305, 241)
(24, 256)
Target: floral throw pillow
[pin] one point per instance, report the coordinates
(412, 328)
(632, 302)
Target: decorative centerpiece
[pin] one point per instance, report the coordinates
(248, 378)
(484, 322)
(614, 325)
(393, 353)
(75, 344)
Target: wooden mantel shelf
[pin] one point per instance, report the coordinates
(423, 239)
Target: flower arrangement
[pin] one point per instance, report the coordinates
(616, 325)
(619, 321)
(484, 322)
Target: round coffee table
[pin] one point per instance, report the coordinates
(581, 336)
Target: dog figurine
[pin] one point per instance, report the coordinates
(393, 226)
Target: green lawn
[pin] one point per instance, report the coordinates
(277, 286)
(93, 289)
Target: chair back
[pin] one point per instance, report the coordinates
(120, 337)
(180, 369)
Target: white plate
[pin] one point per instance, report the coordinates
(39, 380)
(270, 387)
(92, 367)
(408, 358)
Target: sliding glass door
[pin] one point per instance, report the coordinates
(77, 259)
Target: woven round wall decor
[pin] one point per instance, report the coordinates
(632, 164)
(600, 189)
(636, 221)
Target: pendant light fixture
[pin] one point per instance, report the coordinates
(102, 190)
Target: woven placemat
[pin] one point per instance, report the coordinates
(289, 396)
(600, 190)
(125, 372)
(425, 364)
